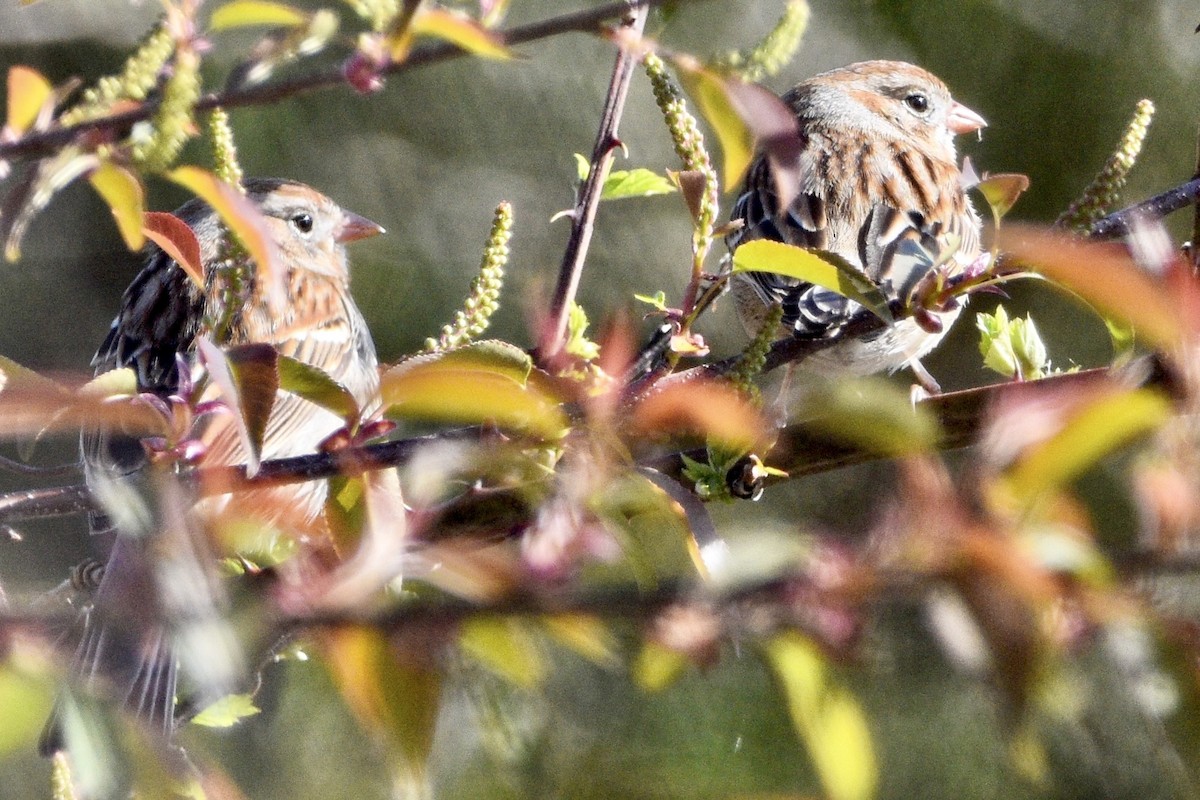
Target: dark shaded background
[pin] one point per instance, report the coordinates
(429, 158)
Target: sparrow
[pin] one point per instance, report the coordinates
(879, 187)
(154, 571)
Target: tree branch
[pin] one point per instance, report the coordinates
(41, 143)
(584, 217)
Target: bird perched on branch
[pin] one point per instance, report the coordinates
(877, 183)
(154, 595)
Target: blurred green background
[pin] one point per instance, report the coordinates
(429, 157)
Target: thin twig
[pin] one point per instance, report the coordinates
(584, 216)
(41, 143)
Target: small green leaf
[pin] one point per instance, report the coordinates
(657, 667)
(658, 301)
(315, 386)
(1002, 191)
(245, 13)
(828, 718)
(823, 269)
(505, 647)
(460, 31)
(1012, 348)
(26, 698)
(586, 635)
(227, 712)
(638, 182)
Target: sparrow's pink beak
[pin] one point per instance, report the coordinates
(963, 120)
(354, 227)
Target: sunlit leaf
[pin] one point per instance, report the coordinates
(635, 183)
(237, 212)
(828, 718)
(460, 31)
(388, 696)
(26, 699)
(244, 13)
(123, 192)
(708, 409)
(1103, 274)
(28, 93)
(505, 647)
(248, 379)
(589, 636)
(176, 240)
(471, 386)
(823, 269)
(871, 413)
(657, 666)
(1106, 423)
(710, 92)
(1002, 191)
(314, 385)
(227, 712)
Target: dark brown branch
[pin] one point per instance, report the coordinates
(584, 216)
(43, 143)
(1118, 223)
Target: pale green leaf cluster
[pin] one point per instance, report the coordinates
(1012, 347)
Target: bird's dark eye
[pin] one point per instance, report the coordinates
(302, 222)
(917, 102)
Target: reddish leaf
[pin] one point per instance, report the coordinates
(177, 240)
(1104, 274)
(708, 409)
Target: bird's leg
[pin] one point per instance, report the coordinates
(926, 385)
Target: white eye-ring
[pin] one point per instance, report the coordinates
(303, 222)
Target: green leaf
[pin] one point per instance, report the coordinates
(246, 13)
(872, 413)
(586, 635)
(828, 718)
(711, 94)
(1001, 192)
(657, 667)
(487, 382)
(506, 648)
(392, 696)
(227, 712)
(26, 698)
(315, 385)
(1013, 348)
(823, 269)
(460, 31)
(638, 182)
(1098, 428)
